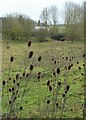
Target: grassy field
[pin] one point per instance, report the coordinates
(49, 83)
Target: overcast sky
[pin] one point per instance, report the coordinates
(31, 8)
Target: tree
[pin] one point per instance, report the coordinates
(17, 27)
(73, 20)
(54, 15)
(49, 16)
(45, 14)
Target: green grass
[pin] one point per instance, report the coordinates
(38, 90)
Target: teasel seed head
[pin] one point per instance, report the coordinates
(48, 82)
(29, 43)
(39, 58)
(58, 70)
(31, 67)
(11, 59)
(48, 101)
(3, 83)
(50, 88)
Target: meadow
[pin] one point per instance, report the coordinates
(43, 80)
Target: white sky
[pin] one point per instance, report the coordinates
(31, 8)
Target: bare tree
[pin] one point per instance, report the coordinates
(50, 16)
(45, 15)
(73, 20)
(54, 15)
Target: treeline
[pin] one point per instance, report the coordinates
(18, 27)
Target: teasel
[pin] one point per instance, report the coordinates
(48, 101)
(23, 74)
(54, 73)
(79, 67)
(39, 73)
(38, 77)
(10, 102)
(11, 59)
(39, 58)
(14, 81)
(63, 95)
(30, 54)
(13, 89)
(58, 70)
(55, 62)
(27, 75)
(57, 104)
(69, 67)
(10, 90)
(18, 84)
(59, 83)
(29, 43)
(21, 108)
(67, 87)
(17, 76)
(70, 59)
(48, 82)
(66, 58)
(81, 73)
(50, 88)
(3, 83)
(83, 55)
(9, 78)
(83, 65)
(31, 67)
